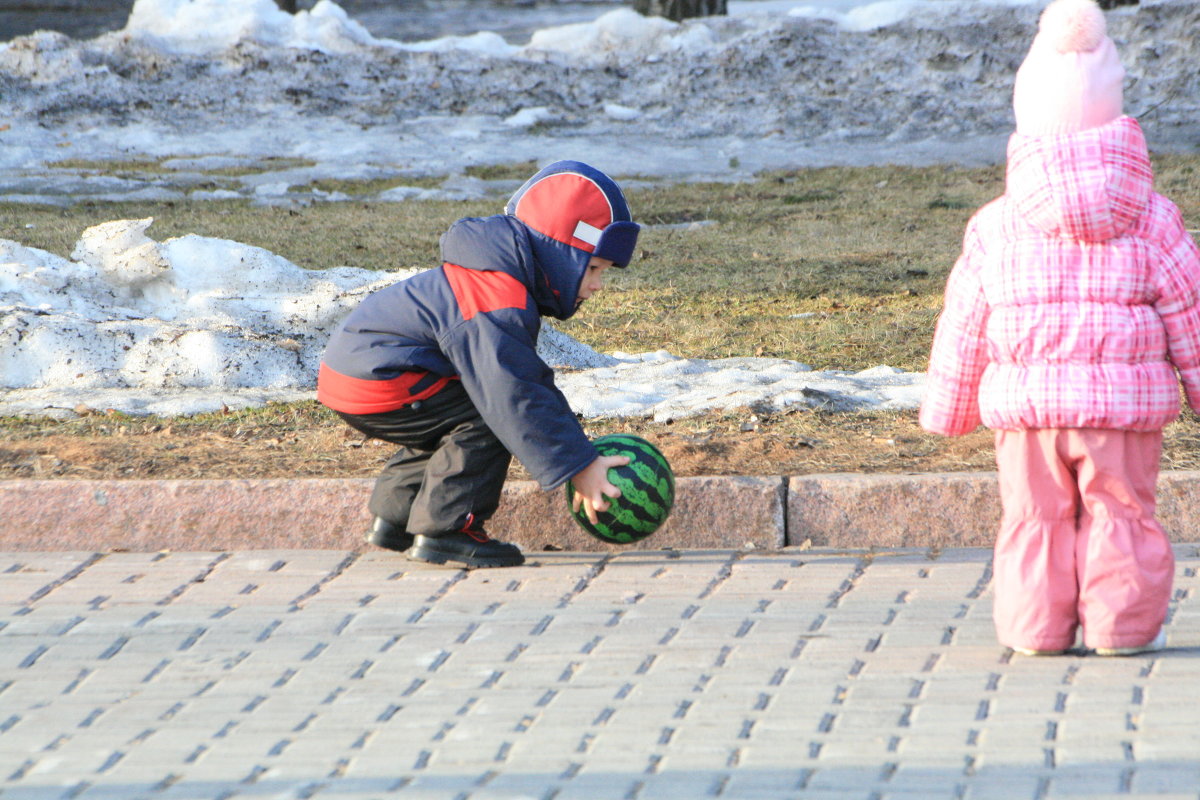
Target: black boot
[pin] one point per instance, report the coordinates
(385, 534)
(471, 549)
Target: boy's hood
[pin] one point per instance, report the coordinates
(1089, 186)
(503, 243)
(551, 228)
(573, 211)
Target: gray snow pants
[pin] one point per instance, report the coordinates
(449, 471)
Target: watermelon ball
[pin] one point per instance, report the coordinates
(647, 487)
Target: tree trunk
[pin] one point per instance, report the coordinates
(678, 10)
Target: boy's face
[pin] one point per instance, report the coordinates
(593, 279)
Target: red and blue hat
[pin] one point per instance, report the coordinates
(580, 206)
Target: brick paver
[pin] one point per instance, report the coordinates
(673, 674)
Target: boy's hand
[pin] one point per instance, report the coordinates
(592, 486)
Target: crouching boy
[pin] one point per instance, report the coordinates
(444, 364)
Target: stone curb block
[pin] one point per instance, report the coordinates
(330, 514)
(937, 510)
(843, 510)
(855, 511)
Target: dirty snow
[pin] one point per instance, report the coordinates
(775, 84)
(195, 324)
(205, 87)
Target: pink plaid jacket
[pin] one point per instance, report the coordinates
(1076, 297)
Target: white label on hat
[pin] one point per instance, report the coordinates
(587, 233)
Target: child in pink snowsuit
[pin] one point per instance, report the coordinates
(1073, 307)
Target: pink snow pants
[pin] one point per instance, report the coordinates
(1078, 543)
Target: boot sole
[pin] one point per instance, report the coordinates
(430, 556)
(1158, 643)
(397, 543)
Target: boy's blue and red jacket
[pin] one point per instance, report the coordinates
(476, 319)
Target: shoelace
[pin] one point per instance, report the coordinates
(475, 533)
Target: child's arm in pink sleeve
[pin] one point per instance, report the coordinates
(959, 356)
(1179, 304)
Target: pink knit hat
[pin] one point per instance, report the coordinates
(1071, 79)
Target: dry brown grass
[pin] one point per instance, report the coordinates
(305, 440)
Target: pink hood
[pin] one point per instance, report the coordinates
(1090, 186)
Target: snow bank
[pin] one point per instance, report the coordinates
(776, 84)
(195, 324)
(191, 313)
(209, 26)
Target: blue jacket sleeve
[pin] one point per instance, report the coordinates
(496, 356)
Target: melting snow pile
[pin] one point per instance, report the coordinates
(664, 387)
(208, 27)
(773, 85)
(184, 325)
(195, 324)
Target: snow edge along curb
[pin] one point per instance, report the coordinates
(853, 511)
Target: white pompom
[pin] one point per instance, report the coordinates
(1073, 26)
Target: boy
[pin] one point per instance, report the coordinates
(445, 365)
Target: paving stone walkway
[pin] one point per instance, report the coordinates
(672, 674)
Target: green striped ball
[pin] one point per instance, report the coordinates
(647, 491)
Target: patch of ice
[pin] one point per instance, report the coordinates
(620, 112)
(528, 117)
(214, 194)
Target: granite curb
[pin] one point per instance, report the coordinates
(767, 513)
